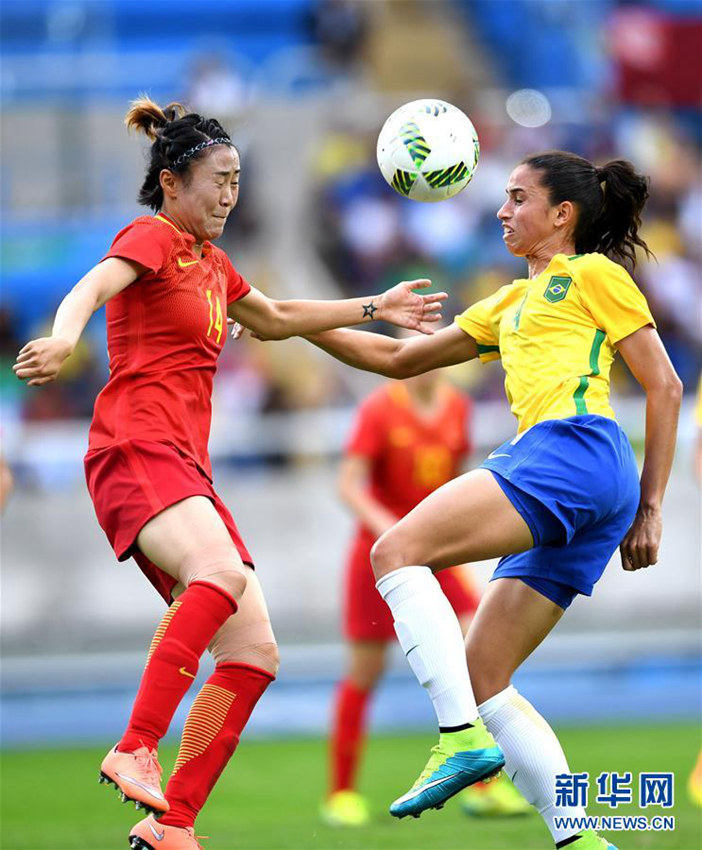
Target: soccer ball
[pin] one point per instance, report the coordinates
(428, 150)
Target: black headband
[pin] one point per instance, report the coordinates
(220, 140)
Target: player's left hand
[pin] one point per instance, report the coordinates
(405, 308)
(639, 549)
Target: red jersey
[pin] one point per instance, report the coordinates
(410, 456)
(164, 334)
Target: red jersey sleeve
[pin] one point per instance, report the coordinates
(368, 431)
(237, 286)
(144, 243)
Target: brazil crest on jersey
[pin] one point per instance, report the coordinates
(556, 335)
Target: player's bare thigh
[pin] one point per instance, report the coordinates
(511, 621)
(468, 519)
(189, 541)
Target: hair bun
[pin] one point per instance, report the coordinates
(147, 117)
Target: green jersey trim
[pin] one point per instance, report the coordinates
(583, 383)
(487, 349)
(579, 396)
(595, 351)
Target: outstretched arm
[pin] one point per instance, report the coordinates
(398, 358)
(40, 360)
(271, 319)
(648, 361)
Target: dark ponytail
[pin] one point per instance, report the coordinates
(179, 138)
(625, 195)
(609, 201)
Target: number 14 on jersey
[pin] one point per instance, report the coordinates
(216, 316)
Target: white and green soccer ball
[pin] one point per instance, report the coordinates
(428, 150)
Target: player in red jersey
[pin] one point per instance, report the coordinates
(169, 292)
(408, 438)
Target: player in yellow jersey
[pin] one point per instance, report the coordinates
(556, 501)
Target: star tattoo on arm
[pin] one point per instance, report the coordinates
(369, 310)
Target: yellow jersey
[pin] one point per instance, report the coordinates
(556, 335)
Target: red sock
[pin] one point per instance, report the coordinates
(174, 656)
(348, 732)
(211, 734)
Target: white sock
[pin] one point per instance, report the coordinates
(533, 754)
(431, 638)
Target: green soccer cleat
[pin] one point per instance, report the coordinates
(590, 840)
(496, 799)
(345, 808)
(457, 761)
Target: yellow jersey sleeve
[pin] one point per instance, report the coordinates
(482, 321)
(616, 303)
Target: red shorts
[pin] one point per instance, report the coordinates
(132, 481)
(367, 616)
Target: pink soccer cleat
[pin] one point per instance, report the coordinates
(137, 776)
(149, 834)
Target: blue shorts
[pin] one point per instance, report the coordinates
(576, 484)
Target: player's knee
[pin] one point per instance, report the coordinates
(232, 581)
(386, 554)
(219, 565)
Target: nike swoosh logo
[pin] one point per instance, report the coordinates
(185, 263)
(159, 836)
(148, 788)
(497, 454)
(412, 794)
(184, 672)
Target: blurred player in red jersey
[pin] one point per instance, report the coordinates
(169, 292)
(408, 439)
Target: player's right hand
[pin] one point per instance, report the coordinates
(237, 331)
(40, 361)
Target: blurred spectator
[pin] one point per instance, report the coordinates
(218, 88)
(339, 27)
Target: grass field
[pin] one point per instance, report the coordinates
(268, 798)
